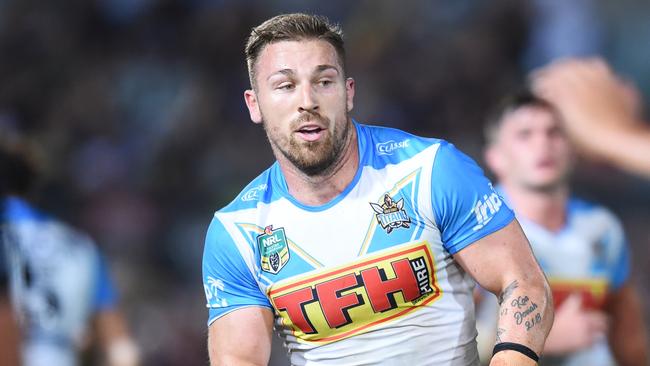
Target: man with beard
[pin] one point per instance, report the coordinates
(360, 242)
(580, 246)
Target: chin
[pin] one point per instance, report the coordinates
(544, 185)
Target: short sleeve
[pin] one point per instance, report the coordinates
(619, 264)
(3, 264)
(227, 281)
(105, 293)
(466, 206)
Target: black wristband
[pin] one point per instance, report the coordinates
(515, 347)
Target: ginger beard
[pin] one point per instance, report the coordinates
(313, 158)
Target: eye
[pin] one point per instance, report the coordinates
(285, 86)
(325, 82)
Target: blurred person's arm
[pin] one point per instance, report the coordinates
(628, 335)
(503, 263)
(9, 329)
(600, 112)
(110, 326)
(242, 337)
(116, 343)
(575, 328)
(9, 332)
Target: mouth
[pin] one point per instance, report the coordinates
(546, 164)
(310, 132)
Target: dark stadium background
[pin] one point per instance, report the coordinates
(136, 109)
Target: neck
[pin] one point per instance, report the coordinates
(546, 208)
(320, 189)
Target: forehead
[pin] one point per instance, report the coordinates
(299, 55)
(530, 116)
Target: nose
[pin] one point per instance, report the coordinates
(308, 102)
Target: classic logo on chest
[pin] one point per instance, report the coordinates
(353, 299)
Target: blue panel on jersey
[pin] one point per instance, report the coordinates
(260, 190)
(227, 282)
(466, 207)
(105, 294)
(389, 146)
(17, 209)
(621, 270)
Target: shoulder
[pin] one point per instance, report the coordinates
(258, 191)
(581, 209)
(593, 217)
(385, 145)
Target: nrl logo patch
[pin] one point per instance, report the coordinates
(391, 214)
(274, 249)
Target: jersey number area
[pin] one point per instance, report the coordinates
(340, 302)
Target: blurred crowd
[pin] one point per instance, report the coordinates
(136, 113)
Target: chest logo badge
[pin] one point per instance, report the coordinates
(391, 214)
(274, 249)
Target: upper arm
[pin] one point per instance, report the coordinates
(228, 281)
(241, 337)
(466, 207)
(627, 334)
(105, 293)
(496, 260)
(618, 254)
(240, 315)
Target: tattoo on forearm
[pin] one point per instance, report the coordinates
(534, 321)
(523, 308)
(507, 292)
(500, 332)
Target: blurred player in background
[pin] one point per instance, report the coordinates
(580, 246)
(602, 113)
(59, 286)
(10, 333)
(359, 242)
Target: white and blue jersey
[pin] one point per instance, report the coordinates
(589, 256)
(57, 280)
(368, 278)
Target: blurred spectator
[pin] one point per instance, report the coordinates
(59, 284)
(580, 246)
(601, 112)
(10, 335)
(563, 29)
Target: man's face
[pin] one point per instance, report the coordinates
(531, 149)
(303, 99)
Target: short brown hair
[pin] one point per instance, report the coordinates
(292, 27)
(522, 98)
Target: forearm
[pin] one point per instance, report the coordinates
(628, 336)
(116, 341)
(525, 317)
(627, 148)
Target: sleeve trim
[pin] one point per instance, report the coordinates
(480, 235)
(235, 308)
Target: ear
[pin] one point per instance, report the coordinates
(253, 107)
(494, 159)
(349, 88)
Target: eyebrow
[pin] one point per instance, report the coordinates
(290, 72)
(321, 68)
